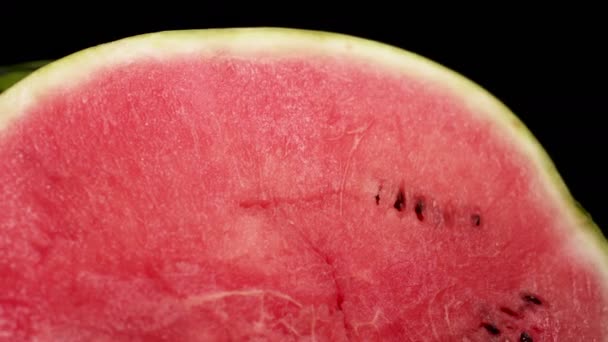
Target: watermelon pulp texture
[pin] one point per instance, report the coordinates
(265, 183)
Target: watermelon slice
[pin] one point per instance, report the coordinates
(282, 185)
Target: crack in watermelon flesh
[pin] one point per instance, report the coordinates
(223, 198)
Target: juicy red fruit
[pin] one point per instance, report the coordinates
(226, 199)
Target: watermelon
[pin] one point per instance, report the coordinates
(269, 184)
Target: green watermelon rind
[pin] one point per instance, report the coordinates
(23, 89)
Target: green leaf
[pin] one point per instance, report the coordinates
(11, 74)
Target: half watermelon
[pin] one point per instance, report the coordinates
(282, 185)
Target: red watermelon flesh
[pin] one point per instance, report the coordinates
(281, 185)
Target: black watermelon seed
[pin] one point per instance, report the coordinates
(419, 208)
(400, 201)
(491, 328)
(524, 337)
(531, 299)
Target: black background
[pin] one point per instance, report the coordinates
(547, 64)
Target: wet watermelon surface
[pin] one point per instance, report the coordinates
(276, 200)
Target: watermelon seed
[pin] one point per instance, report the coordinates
(400, 200)
(524, 337)
(491, 328)
(476, 220)
(531, 299)
(419, 209)
(510, 312)
(377, 199)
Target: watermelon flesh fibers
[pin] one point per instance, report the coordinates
(197, 186)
